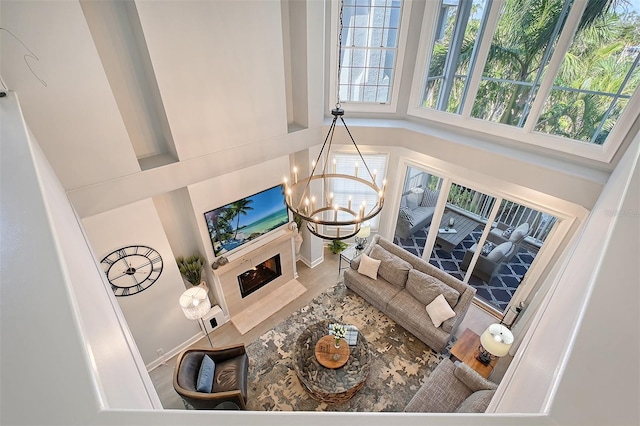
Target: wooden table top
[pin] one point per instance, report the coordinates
(326, 349)
(466, 350)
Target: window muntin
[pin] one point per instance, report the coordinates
(504, 96)
(586, 109)
(454, 52)
(347, 163)
(369, 50)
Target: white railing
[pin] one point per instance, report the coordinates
(478, 206)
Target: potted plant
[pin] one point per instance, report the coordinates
(336, 246)
(191, 268)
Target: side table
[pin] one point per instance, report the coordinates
(348, 255)
(466, 350)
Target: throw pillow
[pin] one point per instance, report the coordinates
(405, 214)
(205, 375)
(413, 200)
(499, 252)
(439, 311)
(507, 232)
(392, 268)
(519, 233)
(369, 266)
(486, 248)
(425, 288)
(430, 198)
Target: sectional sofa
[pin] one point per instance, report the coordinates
(424, 300)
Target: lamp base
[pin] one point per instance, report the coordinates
(484, 357)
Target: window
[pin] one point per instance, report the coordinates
(347, 163)
(548, 67)
(369, 60)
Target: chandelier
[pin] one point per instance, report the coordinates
(312, 199)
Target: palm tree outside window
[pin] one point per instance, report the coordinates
(587, 93)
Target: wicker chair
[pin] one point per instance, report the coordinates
(229, 381)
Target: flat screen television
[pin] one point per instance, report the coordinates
(244, 220)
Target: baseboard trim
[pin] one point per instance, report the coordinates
(173, 352)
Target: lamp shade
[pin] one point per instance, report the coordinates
(365, 230)
(497, 339)
(195, 303)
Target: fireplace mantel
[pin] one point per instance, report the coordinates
(227, 275)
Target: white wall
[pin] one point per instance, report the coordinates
(75, 115)
(217, 192)
(220, 70)
(153, 315)
(57, 319)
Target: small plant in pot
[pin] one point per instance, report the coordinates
(191, 268)
(336, 246)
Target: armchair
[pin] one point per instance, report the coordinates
(488, 264)
(503, 233)
(229, 380)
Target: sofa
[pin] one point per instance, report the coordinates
(453, 388)
(416, 211)
(426, 301)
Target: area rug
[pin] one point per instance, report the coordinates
(400, 363)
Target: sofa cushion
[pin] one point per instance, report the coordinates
(477, 402)
(425, 288)
(392, 269)
(405, 214)
(473, 380)
(439, 311)
(499, 252)
(369, 266)
(376, 292)
(205, 375)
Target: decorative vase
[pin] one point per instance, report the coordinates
(337, 343)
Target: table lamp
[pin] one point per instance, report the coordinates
(496, 340)
(361, 236)
(195, 304)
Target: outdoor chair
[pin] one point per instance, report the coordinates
(489, 263)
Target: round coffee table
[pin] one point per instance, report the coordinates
(331, 385)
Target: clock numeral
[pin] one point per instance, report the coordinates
(139, 288)
(149, 252)
(122, 253)
(107, 261)
(156, 259)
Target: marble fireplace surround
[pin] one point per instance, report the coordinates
(267, 299)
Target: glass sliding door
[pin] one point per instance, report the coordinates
(506, 255)
(417, 206)
(484, 240)
(464, 218)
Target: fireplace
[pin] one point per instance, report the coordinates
(259, 276)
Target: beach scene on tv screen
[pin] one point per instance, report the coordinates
(244, 220)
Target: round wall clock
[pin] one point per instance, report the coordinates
(132, 269)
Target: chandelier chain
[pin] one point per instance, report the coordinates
(339, 55)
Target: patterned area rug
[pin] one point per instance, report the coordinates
(399, 362)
